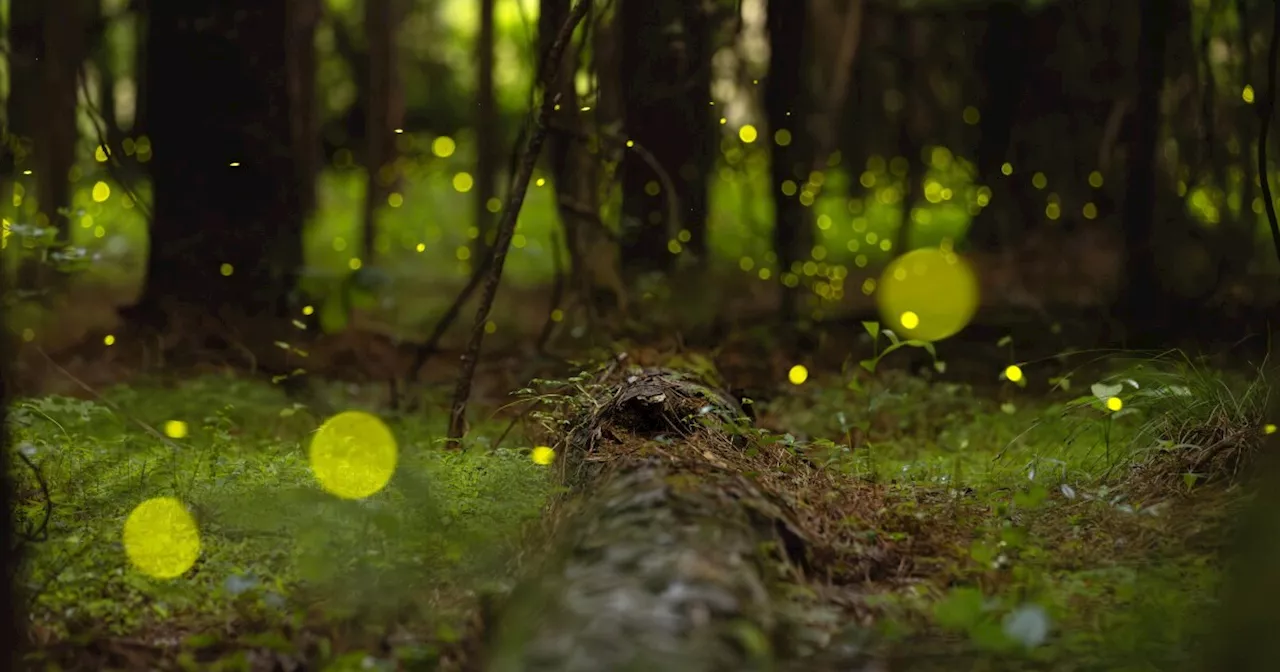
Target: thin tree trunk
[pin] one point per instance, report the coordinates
(382, 117)
(785, 98)
(304, 17)
(488, 139)
(1143, 299)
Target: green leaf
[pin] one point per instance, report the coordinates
(869, 364)
(1104, 392)
(1190, 479)
(873, 328)
(893, 338)
(1032, 498)
(1004, 340)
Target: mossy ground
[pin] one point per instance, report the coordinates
(1019, 509)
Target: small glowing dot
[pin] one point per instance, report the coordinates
(443, 146)
(463, 253)
(557, 315)
(652, 188)
(100, 155)
(798, 374)
(1013, 372)
(308, 310)
(175, 429)
(399, 130)
(971, 115)
(1039, 181)
(395, 200)
(101, 192)
(782, 137)
(1269, 428)
(28, 335)
(1095, 179)
(235, 164)
(355, 264)
(463, 182)
(493, 205)
(1247, 94)
(540, 182)
(631, 143)
(1090, 211)
(161, 538)
(1114, 404)
(353, 455)
(748, 134)
(421, 247)
(490, 327)
(226, 270)
(910, 320)
(543, 455)
(109, 340)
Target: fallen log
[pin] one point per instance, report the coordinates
(668, 551)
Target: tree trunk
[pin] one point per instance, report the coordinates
(385, 114)
(55, 35)
(228, 207)
(665, 555)
(1002, 60)
(1143, 301)
(665, 59)
(304, 16)
(11, 639)
(785, 103)
(488, 138)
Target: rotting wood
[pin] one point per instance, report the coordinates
(670, 550)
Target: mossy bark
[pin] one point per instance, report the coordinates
(666, 554)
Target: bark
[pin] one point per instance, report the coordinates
(488, 138)
(224, 161)
(1003, 63)
(11, 640)
(385, 113)
(304, 16)
(1143, 300)
(665, 63)
(665, 556)
(785, 106)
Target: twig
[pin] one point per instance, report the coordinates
(1264, 119)
(507, 225)
(112, 162)
(432, 345)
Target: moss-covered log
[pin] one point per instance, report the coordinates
(668, 552)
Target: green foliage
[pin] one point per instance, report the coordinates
(275, 548)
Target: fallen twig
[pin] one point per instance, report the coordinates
(507, 225)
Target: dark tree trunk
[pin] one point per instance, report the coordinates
(22, 111)
(11, 640)
(665, 58)
(384, 114)
(785, 98)
(1002, 60)
(1143, 302)
(304, 16)
(228, 204)
(55, 35)
(488, 139)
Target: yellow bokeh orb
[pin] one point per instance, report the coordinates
(175, 429)
(1013, 372)
(161, 538)
(1114, 404)
(543, 455)
(798, 374)
(353, 455)
(931, 293)
(1268, 429)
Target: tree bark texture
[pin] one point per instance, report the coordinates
(665, 65)
(668, 552)
(228, 204)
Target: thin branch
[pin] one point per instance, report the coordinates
(557, 294)
(507, 225)
(1265, 111)
(113, 164)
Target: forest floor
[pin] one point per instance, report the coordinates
(1048, 529)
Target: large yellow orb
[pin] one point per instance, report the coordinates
(927, 294)
(161, 538)
(353, 455)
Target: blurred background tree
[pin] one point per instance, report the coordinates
(350, 156)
